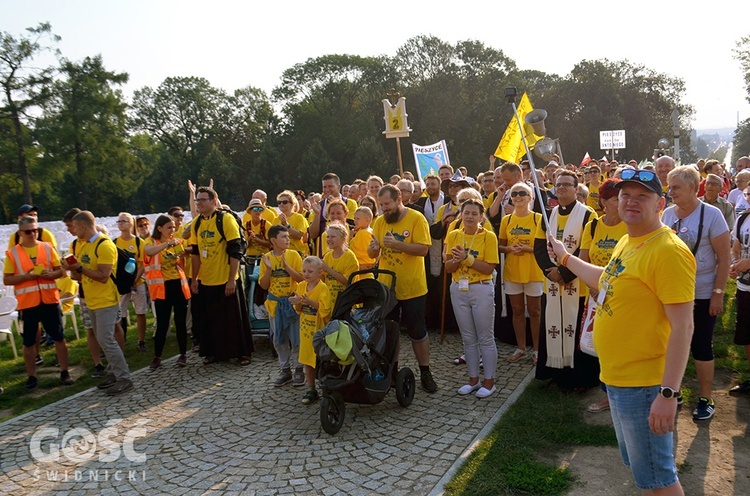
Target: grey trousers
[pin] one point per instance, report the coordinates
(103, 321)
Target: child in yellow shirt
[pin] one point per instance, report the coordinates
(312, 301)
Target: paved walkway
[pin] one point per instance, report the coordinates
(224, 429)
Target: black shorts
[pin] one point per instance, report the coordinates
(742, 327)
(50, 315)
(701, 346)
(412, 317)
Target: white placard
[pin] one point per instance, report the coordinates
(609, 140)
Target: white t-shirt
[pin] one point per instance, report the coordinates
(705, 257)
(734, 196)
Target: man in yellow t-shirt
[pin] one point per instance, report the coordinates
(401, 238)
(45, 235)
(220, 320)
(649, 281)
(96, 264)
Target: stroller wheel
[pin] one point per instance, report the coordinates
(332, 412)
(405, 386)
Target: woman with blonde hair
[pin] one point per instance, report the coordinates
(295, 222)
(522, 276)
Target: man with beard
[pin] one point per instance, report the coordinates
(401, 238)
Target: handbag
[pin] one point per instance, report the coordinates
(586, 343)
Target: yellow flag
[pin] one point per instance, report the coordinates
(511, 147)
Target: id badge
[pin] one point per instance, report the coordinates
(204, 253)
(602, 294)
(463, 282)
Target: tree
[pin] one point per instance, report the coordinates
(20, 82)
(742, 134)
(84, 137)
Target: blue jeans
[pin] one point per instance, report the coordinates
(649, 456)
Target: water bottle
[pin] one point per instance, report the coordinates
(130, 266)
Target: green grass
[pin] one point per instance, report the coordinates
(547, 421)
(543, 420)
(17, 400)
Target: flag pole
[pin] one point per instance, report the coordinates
(510, 95)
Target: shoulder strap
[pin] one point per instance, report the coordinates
(96, 248)
(17, 238)
(741, 220)
(220, 223)
(73, 246)
(700, 230)
(39, 233)
(593, 227)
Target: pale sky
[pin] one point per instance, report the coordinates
(239, 43)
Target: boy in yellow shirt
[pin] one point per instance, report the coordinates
(279, 274)
(312, 301)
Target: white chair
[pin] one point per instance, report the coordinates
(7, 309)
(71, 314)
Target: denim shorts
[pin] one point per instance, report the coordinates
(650, 456)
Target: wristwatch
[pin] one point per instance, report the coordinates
(718, 291)
(80, 269)
(668, 392)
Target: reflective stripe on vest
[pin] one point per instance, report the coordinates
(32, 293)
(155, 279)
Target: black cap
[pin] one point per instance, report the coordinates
(26, 208)
(646, 178)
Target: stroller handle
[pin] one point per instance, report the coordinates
(375, 271)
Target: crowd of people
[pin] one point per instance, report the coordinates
(527, 256)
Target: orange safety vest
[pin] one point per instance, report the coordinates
(155, 278)
(30, 294)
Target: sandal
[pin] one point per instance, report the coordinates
(460, 360)
(208, 360)
(242, 361)
(599, 406)
(517, 355)
(535, 357)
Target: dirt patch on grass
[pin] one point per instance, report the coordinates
(713, 457)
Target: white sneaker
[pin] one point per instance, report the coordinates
(468, 388)
(484, 392)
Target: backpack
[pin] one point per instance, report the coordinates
(220, 226)
(123, 280)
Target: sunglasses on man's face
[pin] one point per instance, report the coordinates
(176, 214)
(643, 175)
(283, 202)
(257, 209)
(29, 231)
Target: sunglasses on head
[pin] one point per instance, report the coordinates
(643, 175)
(520, 193)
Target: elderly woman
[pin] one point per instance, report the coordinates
(600, 236)
(736, 198)
(523, 277)
(705, 232)
(470, 255)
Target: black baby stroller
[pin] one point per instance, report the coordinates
(358, 349)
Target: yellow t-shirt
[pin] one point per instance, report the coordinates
(281, 283)
(69, 288)
(521, 230)
(411, 279)
(311, 319)
(593, 200)
(255, 249)
(212, 249)
(98, 295)
(451, 208)
(482, 245)
(359, 243)
(299, 223)
(345, 265)
(136, 247)
(47, 237)
(631, 329)
(170, 259)
(187, 261)
(602, 244)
